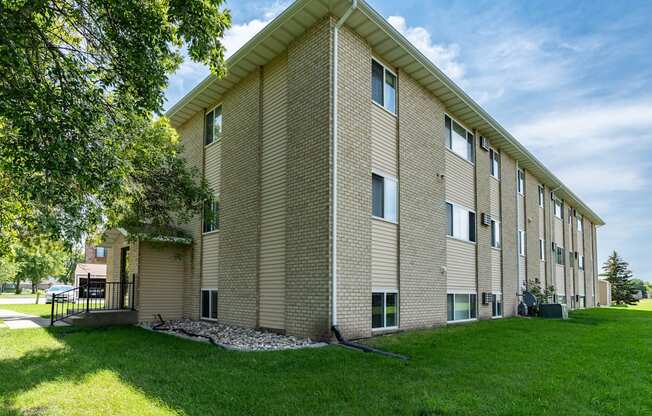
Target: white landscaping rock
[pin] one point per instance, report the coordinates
(237, 338)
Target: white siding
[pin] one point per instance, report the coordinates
(559, 232)
(496, 271)
(384, 255)
(521, 273)
(383, 141)
(521, 212)
(460, 178)
(273, 198)
(460, 263)
(212, 167)
(542, 274)
(559, 279)
(581, 287)
(542, 227)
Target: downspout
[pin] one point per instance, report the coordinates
(334, 84)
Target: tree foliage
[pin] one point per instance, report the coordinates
(36, 259)
(616, 271)
(80, 82)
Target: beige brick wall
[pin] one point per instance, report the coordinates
(240, 204)
(483, 205)
(191, 134)
(354, 186)
(308, 170)
(509, 251)
(422, 220)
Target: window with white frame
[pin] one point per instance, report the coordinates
(520, 184)
(459, 140)
(570, 216)
(494, 159)
(211, 214)
(495, 234)
(541, 196)
(213, 125)
(384, 310)
(209, 303)
(559, 210)
(461, 222)
(542, 247)
(521, 242)
(462, 306)
(100, 252)
(497, 305)
(384, 201)
(580, 225)
(383, 86)
(559, 255)
(581, 262)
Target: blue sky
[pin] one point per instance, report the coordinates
(572, 80)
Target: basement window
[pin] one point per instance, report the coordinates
(462, 306)
(497, 306)
(384, 310)
(213, 125)
(383, 86)
(209, 303)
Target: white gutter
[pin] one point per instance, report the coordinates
(334, 68)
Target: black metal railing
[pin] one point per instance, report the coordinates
(94, 296)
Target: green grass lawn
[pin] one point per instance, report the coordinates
(41, 309)
(597, 362)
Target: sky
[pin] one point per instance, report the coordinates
(571, 80)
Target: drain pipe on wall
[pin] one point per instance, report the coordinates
(334, 85)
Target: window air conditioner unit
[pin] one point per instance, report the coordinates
(487, 298)
(484, 143)
(486, 219)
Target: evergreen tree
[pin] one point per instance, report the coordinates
(616, 272)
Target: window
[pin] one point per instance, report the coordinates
(542, 246)
(384, 310)
(561, 298)
(212, 214)
(384, 202)
(581, 262)
(570, 216)
(213, 128)
(580, 225)
(209, 303)
(100, 252)
(383, 86)
(541, 196)
(494, 158)
(458, 139)
(559, 212)
(461, 307)
(520, 184)
(521, 242)
(461, 222)
(497, 305)
(582, 301)
(495, 234)
(559, 255)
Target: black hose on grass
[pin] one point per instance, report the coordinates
(342, 340)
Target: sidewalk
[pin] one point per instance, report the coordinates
(17, 320)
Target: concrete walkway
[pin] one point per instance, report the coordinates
(21, 301)
(17, 320)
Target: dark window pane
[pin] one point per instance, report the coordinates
(377, 86)
(208, 132)
(217, 124)
(214, 304)
(390, 310)
(377, 310)
(449, 218)
(447, 131)
(378, 195)
(473, 305)
(471, 226)
(205, 304)
(451, 306)
(470, 147)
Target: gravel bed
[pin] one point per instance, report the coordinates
(237, 338)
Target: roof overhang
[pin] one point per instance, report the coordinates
(109, 237)
(389, 44)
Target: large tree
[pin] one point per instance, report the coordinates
(80, 83)
(616, 271)
(36, 259)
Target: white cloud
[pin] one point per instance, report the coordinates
(446, 57)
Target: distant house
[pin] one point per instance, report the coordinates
(94, 266)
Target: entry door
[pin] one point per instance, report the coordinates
(124, 276)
